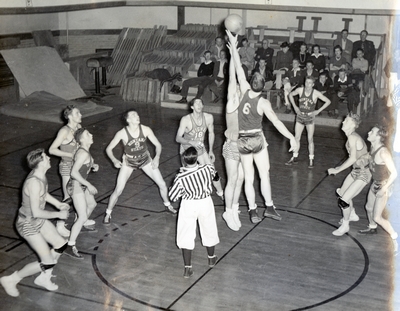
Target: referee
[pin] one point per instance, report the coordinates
(193, 184)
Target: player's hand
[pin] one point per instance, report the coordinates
(63, 206)
(92, 190)
(293, 145)
(212, 156)
(117, 164)
(332, 171)
(232, 38)
(63, 214)
(95, 167)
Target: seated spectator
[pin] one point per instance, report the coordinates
(324, 85)
(217, 48)
(367, 46)
(310, 70)
(291, 80)
(284, 58)
(337, 62)
(344, 90)
(204, 78)
(303, 55)
(318, 58)
(246, 53)
(266, 72)
(266, 53)
(345, 44)
(218, 86)
(359, 70)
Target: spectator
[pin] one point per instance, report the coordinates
(246, 53)
(367, 46)
(204, 78)
(217, 48)
(218, 86)
(303, 55)
(360, 69)
(337, 61)
(266, 73)
(345, 44)
(266, 53)
(284, 58)
(318, 58)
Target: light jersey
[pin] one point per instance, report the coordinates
(249, 118)
(306, 103)
(380, 173)
(85, 168)
(362, 155)
(69, 147)
(136, 147)
(197, 132)
(232, 126)
(25, 208)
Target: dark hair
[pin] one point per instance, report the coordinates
(316, 45)
(68, 110)
(205, 52)
(310, 78)
(341, 70)
(310, 61)
(360, 49)
(345, 30)
(366, 32)
(126, 115)
(34, 158)
(190, 156)
(259, 89)
(78, 134)
(191, 103)
(338, 47)
(244, 39)
(382, 132)
(284, 45)
(356, 118)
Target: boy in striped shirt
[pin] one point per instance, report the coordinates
(193, 184)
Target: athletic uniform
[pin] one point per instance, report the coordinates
(306, 105)
(230, 148)
(194, 186)
(360, 169)
(26, 224)
(75, 186)
(136, 154)
(251, 138)
(197, 133)
(380, 173)
(65, 165)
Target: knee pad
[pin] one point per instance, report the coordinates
(61, 249)
(216, 177)
(343, 204)
(45, 267)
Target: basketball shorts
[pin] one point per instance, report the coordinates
(305, 118)
(251, 142)
(136, 162)
(27, 226)
(363, 174)
(230, 150)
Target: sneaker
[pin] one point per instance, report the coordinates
(107, 219)
(63, 231)
(236, 217)
(72, 251)
(44, 280)
(9, 284)
(89, 222)
(292, 161)
(212, 261)
(188, 272)
(368, 231)
(171, 209)
(228, 217)
(182, 101)
(344, 228)
(254, 218)
(90, 229)
(311, 164)
(270, 212)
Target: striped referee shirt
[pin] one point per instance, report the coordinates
(193, 183)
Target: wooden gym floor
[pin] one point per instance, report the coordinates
(134, 264)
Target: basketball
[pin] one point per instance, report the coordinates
(234, 23)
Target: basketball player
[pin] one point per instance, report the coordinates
(136, 156)
(251, 142)
(359, 176)
(191, 133)
(305, 116)
(34, 226)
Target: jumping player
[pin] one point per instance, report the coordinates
(33, 224)
(305, 116)
(251, 142)
(136, 156)
(359, 176)
(191, 133)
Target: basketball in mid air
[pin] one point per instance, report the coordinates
(234, 23)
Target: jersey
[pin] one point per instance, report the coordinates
(380, 173)
(197, 133)
(69, 147)
(25, 208)
(362, 155)
(249, 118)
(307, 103)
(136, 147)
